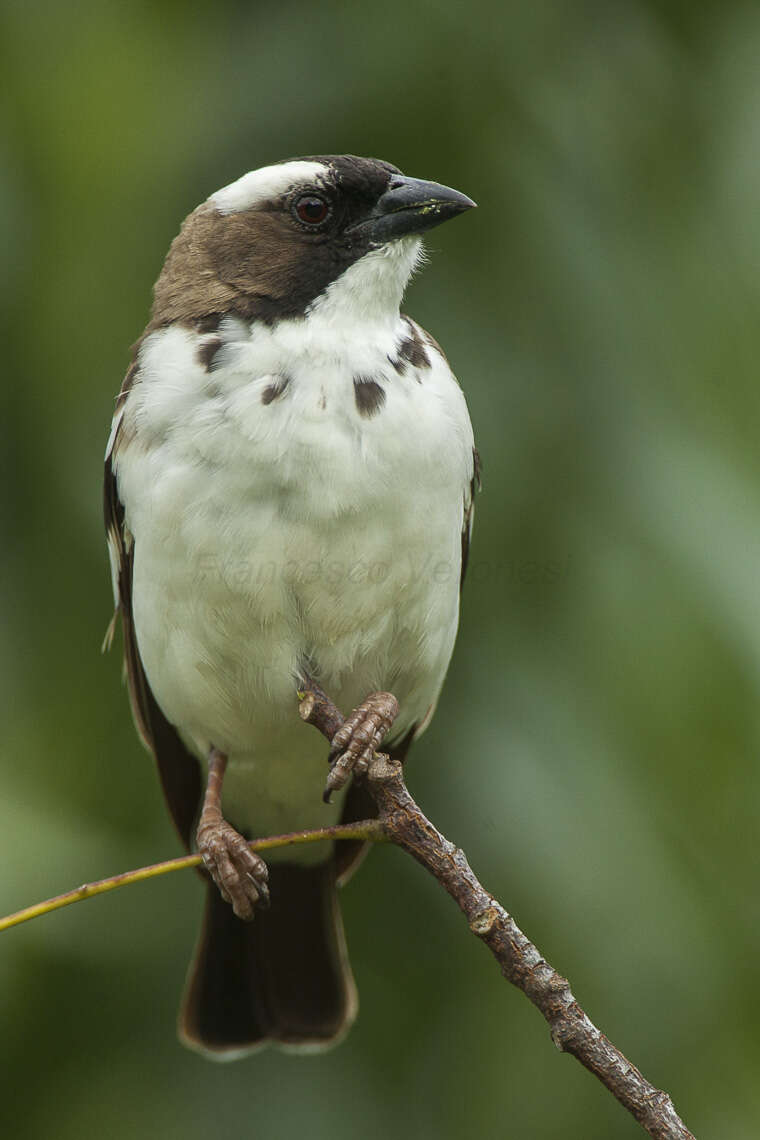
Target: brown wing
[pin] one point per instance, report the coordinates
(469, 511)
(178, 769)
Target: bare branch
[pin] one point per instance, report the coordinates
(521, 963)
(400, 821)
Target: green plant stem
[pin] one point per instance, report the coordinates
(368, 829)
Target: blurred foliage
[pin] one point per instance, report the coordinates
(596, 751)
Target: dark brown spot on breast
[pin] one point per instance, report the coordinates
(414, 351)
(369, 396)
(273, 391)
(411, 350)
(207, 351)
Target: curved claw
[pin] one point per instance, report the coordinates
(240, 874)
(358, 738)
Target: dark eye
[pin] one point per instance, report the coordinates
(311, 209)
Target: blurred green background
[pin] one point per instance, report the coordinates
(596, 750)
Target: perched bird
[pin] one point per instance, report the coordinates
(288, 500)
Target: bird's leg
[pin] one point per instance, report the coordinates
(239, 873)
(358, 738)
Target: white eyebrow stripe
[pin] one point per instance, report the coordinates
(264, 184)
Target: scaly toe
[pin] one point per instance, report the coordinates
(358, 738)
(239, 873)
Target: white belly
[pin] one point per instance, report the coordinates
(273, 538)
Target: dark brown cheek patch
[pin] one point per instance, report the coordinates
(369, 396)
(274, 391)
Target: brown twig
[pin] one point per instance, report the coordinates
(400, 821)
(521, 963)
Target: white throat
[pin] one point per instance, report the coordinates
(370, 290)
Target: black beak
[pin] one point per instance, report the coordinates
(410, 206)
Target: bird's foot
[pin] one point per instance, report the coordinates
(240, 874)
(358, 738)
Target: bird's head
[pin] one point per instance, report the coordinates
(332, 230)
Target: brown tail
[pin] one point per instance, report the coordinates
(285, 977)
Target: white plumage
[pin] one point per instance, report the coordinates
(273, 536)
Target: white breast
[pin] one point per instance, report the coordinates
(273, 536)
